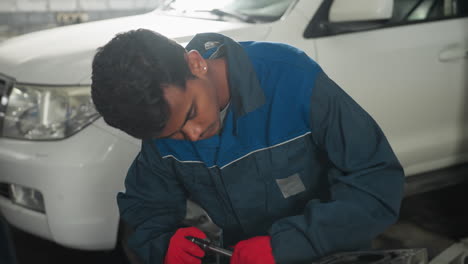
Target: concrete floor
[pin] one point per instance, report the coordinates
(34, 250)
(433, 220)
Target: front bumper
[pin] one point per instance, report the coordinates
(78, 177)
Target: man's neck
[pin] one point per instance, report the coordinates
(218, 71)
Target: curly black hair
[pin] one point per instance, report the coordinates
(129, 75)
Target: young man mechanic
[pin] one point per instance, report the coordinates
(282, 159)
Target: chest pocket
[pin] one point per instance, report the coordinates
(291, 185)
(289, 169)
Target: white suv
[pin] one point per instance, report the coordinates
(405, 61)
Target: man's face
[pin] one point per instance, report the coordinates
(194, 111)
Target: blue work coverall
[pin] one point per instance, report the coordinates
(297, 159)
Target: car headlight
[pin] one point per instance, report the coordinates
(47, 112)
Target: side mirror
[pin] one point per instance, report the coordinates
(360, 10)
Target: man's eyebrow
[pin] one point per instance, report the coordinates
(187, 116)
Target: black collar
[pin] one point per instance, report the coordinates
(245, 91)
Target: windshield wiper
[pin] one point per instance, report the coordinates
(223, 13)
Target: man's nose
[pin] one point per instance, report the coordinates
(192, 131)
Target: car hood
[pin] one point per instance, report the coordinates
(64, 55)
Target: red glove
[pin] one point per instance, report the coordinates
(256, 250)
(183, 251)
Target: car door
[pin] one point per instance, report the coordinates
(410, 73)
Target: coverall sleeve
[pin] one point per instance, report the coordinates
(365, 178)
(153, 204)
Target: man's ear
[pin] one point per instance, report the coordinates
(197, 64)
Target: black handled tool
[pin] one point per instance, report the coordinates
(208, 246)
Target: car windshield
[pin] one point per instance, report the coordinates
(244, 10)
